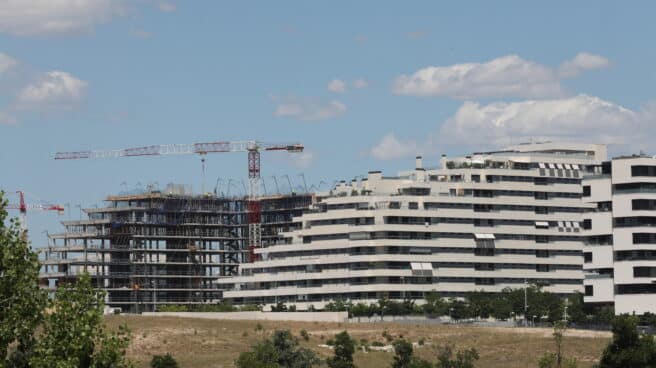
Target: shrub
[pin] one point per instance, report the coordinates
(172, 308)
(344, 349)
(305, 335)
(387, 335)
(163, 361)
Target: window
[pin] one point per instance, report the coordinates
(587, 257)
(484, 252)
(484, 266)
(589, 290)
(541, 195)
(484, 281)
(586, 224)
(586, 190)
(540, 181)
(644, 271)
(541, 239)
(413, 206)
(483, 222)
(636, 289)
(395, 205)
(635, 255)
(635, 221)
(476, 178)
(643, 170)
(644, 238)
(542, 268)
(643, 204)
(542, 253)
(482, 207)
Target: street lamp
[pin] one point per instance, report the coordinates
(451, 313)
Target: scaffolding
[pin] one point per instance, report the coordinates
(153, 248)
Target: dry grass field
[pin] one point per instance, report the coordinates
(199, 343)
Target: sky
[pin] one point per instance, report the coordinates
(363, 85)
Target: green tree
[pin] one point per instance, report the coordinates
(74, 335)
(263, 355)
(163, 361)
(462, 359)
(404, 358)
(628, 349)
(21, 300)
(281, 351)
(434, 306)
(344, 348)
(480, 304)
(557, 359)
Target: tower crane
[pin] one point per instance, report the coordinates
(23, 207)
(253, 148)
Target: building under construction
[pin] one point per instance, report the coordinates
(158, 248)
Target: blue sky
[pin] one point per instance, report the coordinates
(364, 85)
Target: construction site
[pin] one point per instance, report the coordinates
(159, 247)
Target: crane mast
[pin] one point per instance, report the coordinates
(253, 148)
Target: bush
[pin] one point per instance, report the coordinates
(163, 361)
(387, 335)
(281, 350)
(628, 347)
(172, 308)
(305, 335)
(344, 348)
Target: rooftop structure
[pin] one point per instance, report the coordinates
(484, 221)
(158, 248)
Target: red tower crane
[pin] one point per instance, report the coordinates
(23, 207)
(252, 147)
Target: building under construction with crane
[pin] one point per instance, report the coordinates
(168, 247)
(165, 247)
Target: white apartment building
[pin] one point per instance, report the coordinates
(620, 258)
(485, 221)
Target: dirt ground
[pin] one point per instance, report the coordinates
(215, 343)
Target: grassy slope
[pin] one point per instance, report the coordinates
(213, 343)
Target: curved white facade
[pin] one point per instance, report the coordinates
(482, 222)
(622, 270)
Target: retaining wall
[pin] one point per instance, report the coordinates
(259, 316)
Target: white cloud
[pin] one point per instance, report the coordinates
(305, 109)
(582, 118)
(337, 86)
(55, 17)
(55, 89)
(6, 119)
(360, 83)
(391, 148)
(6, 63)
(166, 7)
(507, 76)
(582, 62)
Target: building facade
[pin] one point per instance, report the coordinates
(620, 258)
(158, 248)
(485, 221)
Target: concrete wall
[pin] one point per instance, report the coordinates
(259, 316)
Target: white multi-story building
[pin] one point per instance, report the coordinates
(620, 258)
(486, 221)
